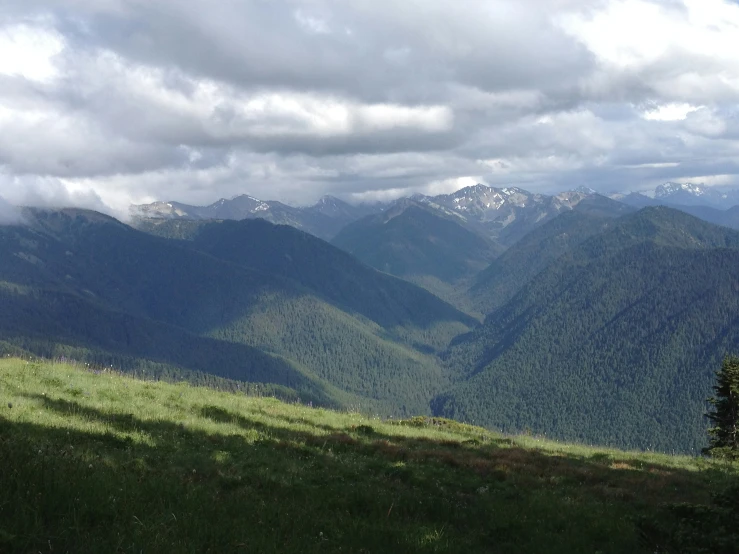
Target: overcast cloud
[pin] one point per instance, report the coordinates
(107, 102)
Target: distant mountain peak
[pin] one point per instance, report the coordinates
(585, 190)
(471, 190)
(668, 189)
(328, 200)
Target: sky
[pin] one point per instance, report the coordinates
(104, 103)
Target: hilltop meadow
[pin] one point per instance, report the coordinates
(101, 462)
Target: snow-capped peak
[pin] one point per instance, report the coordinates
(471, 191)
(668, 189)
(585, 190)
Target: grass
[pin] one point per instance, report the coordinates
(94, 463)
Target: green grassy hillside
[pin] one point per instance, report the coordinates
(95, 463)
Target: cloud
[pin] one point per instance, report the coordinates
(9, 214)
(53, 193)
(29, 52)
(669, 51)
(106, 102)
(670, 112)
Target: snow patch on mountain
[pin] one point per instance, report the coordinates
(669, 189)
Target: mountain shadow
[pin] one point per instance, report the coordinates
(364, 336)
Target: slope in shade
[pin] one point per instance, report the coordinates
(406, 312)
(115, 268)
(53, 324)
(413, 240)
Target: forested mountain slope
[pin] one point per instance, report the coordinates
(411, 240)
(88, 282)
(407, 311)
(727, 218)
(499, 282)
(713, 212)
(615, 342)
(419, 244)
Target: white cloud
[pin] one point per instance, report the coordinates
(683, 50)
(49, 192)
(446, 186)
(625, 33)
(30, 52)
(670, 112)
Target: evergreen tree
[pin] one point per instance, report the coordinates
(724, 436)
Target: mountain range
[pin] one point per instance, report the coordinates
(324, 219)
(682, 194)
(503, 214)
(441, 242)
(437, 242)
(574, 315)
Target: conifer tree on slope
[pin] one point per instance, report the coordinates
(724, 435)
